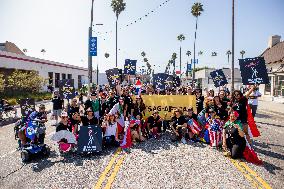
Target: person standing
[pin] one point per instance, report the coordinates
(58, 105)
(253, 100)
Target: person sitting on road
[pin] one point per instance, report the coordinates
(235, 143)
(89, 119)
(179, 127)
(111, 132)
(135, 126)
(154, 124)
(64, 124)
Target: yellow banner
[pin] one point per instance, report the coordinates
(165, 104)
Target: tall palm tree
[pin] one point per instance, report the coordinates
(143, 54)
(106, 55)
(228, 53)
(25, 50)
(117, 6)
(181, 38)
(242, 53)
(188, 53)
(196, 10)
(214, 54)
(174, 57)
(200, 53)
(43, 51)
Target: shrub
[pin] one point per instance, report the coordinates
(2, 82)
(12, 101)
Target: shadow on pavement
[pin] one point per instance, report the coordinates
(259, 115)
(163, 143)
(269, 153)
(270, 124)
(271, 168)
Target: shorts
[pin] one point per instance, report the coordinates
(57, 112)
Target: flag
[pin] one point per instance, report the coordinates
(130, 67)
(251, 123)
(127, 140)
(138, 88)
(178, 72)
(194, 126)
(250, 155)
(215, 133)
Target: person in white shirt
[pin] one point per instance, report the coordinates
(111, 134)
(253, 100)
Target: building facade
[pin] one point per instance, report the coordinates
(205, 80)
(13, 58)
(274, 59)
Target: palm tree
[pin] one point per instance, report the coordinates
(43, 51)
(106, 55)
(188, 53)
(228, 53)
(196, 10)
(242, 53)
(143, 54)
(181, 38)
(25, 50)
(200, 53)
(174, 57)
(214, 54)
(117, 6)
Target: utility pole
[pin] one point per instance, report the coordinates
(90, 67)
(233, 48)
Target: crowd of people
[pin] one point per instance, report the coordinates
(221, 120)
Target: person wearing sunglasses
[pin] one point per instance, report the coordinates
(179, 127)
(64, 124)
(89, 118)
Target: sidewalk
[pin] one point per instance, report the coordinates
(271, 106)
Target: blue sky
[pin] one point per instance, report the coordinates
(61, 27)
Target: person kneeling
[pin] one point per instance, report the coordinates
(179, 127)
(111, 133)
(235, 143)
(136, 134)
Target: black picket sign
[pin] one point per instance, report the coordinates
(218, 78)
(66, 89)
(130, 67)
(90, 139)
(27, 106)
(253, 71)
(114, 75)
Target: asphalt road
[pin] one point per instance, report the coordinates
(152, 164)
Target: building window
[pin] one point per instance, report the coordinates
(69, 76)
(57, 78)
(50, 78)
(79, 81)
(267, 88)
(63, 76)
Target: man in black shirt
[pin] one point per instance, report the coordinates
(154, 124)
(58, 105)
(127, 101)
(112, 100)
(179, 127)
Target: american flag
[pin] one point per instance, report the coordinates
(194, 126)
(215, 133)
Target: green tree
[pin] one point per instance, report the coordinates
(180, 38)
(23, 81)
(143, 54)
(196, 10)
(118, 6)
(2, 82)
(243, 53)
(200, 53)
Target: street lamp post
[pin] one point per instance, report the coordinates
(90, 67)
(233, 47)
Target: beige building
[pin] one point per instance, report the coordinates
(274, 59)
(12, 58)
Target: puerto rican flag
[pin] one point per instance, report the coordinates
(138, 87)
(194, 126)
